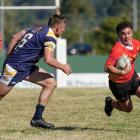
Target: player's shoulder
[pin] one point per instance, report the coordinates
(116, 45)
(136, 44)
(135, 41)
(50, 33)
(116, 48)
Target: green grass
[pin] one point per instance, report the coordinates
(76, 112)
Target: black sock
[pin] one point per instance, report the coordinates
(39, 110)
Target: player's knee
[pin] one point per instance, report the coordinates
(129, 109)
(54, 83)
(2, 95)
(4, 90)
(51, 84)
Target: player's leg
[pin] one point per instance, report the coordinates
(138, 92)
(121, 93)
(6, 79)
(46, 80)
(125, 106)
(48, 83)
(4, 90)
(136, 86)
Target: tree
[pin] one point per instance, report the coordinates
(105, 36)
(81, 20)
(119, 7)
(91, 21)
(16, 20)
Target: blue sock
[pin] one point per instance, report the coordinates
(39, 110)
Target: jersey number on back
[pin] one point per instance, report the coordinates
(24, 40)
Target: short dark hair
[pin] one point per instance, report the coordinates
(55, 19)
(123, 25)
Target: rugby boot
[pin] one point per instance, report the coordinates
(108, 106)
(41, 123)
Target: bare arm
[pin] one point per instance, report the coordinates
(50, 60)
(113, 70)
(15, 38)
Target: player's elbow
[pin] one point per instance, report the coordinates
(106, 68)
(15, 37)
(19, 35)
(48, 61)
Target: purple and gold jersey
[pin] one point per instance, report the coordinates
(30, 48)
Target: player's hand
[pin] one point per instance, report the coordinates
(127, 69)
(67, 69)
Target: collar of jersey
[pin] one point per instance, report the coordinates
(52, 33)
(129, 47)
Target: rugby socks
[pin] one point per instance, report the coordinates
(39, 110)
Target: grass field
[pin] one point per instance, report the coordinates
(77, 113)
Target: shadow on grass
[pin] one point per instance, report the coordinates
(63, 128)
(70, 128)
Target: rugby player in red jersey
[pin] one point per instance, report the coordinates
(122, 83)
(25, 50)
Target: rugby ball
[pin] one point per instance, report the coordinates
(122, 62)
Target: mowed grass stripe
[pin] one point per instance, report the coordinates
(77, 113)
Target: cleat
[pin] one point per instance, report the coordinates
(108, 107)
(41, 123)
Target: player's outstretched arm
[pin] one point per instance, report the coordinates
(50, 60)
(15, 38)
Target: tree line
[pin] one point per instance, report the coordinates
(92, 22)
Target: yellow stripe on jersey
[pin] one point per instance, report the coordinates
(50, 44)
(8, 70)
(49, 49)
(51, 34)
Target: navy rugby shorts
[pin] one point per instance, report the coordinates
(11, 76)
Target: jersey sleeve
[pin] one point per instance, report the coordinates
(138, 46)
(50, 42)
(113, 56)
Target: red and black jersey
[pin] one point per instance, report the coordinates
(118, 50)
